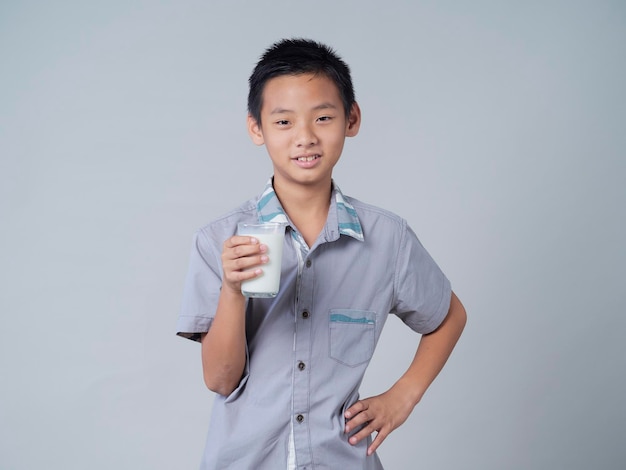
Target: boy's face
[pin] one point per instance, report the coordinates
(303, 126)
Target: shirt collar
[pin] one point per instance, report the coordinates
(270, 210)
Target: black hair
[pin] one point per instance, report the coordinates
(294, 57)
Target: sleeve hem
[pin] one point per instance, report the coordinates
(444, 307)
(192, 327)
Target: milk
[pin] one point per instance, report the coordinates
(267, 283)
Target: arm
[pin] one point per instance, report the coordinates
(385, 412)
(224, 345)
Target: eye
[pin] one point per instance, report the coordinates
(324, 118)
(282, 122)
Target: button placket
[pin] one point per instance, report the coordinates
(302, 361)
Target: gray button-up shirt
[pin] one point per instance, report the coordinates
(308, 348)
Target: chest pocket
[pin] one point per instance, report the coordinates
(352, 336)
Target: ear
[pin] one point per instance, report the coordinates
(254, 130)
(354, 121)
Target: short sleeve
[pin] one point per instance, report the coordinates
(202, 288)
(422, 291)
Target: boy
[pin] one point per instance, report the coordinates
(287, 370)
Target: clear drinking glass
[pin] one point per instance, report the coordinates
(270, 234)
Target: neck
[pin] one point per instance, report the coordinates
(306, 206)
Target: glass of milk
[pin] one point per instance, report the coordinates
(271, 235)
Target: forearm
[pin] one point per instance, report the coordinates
(432, 353)
(224, 346)
(384, 413)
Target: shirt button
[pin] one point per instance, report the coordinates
(308, 263)
(299, 418)
(305, 314)
(301, 365)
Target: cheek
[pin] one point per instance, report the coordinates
(337, 141)
(277, 140)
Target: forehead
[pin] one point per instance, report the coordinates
(302, 90)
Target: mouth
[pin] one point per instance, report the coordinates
(307, 162)
(307, 158)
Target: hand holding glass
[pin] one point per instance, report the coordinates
(271, 235)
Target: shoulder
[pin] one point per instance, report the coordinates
(370, 214)
(225, 225)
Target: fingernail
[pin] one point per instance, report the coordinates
(264, 259)
(253, 240)
(347, 414)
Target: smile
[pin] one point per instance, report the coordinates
(308, 158)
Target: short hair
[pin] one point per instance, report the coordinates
(294, 57)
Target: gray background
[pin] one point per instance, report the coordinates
(495, 128)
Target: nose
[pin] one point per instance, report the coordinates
(305, 136)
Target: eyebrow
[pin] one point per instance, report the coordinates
(321, 106)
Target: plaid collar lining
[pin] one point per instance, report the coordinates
(270, 210)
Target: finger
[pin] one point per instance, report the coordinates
(242, 251)
(237, 240)
(363, 433)
(247, 261)
(357, 408)
(378, 440)
(359, 419)
(242, 269)
(235, 278)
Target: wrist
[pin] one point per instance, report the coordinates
(409, 390)
(232, 294)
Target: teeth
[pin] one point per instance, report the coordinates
(307, 159)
